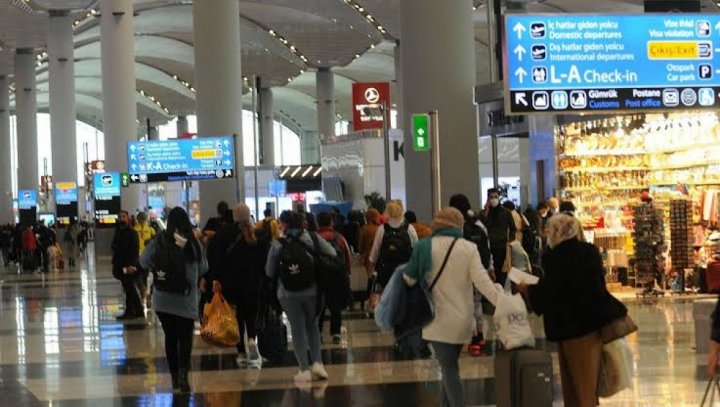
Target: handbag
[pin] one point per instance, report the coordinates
(710, 390)
(425, 311)
(616, 368)
(374, 297)
(617, 329)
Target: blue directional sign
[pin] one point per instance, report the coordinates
(181, 159)
(27, 199)
(277, 187)
(106, 185)
(601, 63)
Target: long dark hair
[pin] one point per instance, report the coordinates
(179, 221)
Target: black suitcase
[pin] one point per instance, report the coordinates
(523, 378)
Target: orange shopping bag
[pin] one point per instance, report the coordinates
(220, 327)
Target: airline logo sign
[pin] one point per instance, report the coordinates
(585, 63)
(368, 100)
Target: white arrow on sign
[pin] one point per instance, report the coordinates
(132, 148)
(519, 51)
(520, 99)
(519, 29)
(421, 132)
(134, 178)
(521, 74)
(717, 26)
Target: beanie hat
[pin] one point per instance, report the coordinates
(461, 203)
(241, 213)
(448, 218)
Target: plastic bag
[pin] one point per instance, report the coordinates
(220, 327)
(374, 298)
(511, 322)
(616, 368)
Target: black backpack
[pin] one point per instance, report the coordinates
(332, 276)
(475, 233)
(395, 249)
(296, 266)
(169, 266)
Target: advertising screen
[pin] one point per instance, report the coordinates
(203, 158)
(106, 185)
(27, 199)
(611, 63)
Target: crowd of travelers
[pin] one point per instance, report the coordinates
(301, 264)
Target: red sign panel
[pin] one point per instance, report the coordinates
(368, 100)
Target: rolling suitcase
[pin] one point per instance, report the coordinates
(523, 378)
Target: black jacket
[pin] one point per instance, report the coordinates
(125, 247)
(715, 334)
(572, 296)
(238, 264)
(500, 224)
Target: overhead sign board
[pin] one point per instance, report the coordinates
(27, 199)
(106, 185)
(277, 187)
(181, 159)
(601, 63)
(66, 193)
(368, 101)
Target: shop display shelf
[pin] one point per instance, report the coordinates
(602, 188)
(684, 166)
(602, 170)
(599, 153)
(700, 183)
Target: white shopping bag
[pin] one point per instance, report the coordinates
(616, 368)
(512, 326)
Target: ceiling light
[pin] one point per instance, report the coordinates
(318, 171)
(307, 171)
(295, 172)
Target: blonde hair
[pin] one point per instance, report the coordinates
(394, 211)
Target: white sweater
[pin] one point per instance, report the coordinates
(454, 321)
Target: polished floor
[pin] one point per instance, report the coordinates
(61, 346)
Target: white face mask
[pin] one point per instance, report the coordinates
(494, 202)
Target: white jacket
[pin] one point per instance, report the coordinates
(454, 321)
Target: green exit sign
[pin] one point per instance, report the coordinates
(421, 132)
(125, 179)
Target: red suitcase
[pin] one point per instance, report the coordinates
(713, 277)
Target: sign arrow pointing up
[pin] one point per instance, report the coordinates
(519, 51)
(717, 26)
(519, 29)
(520, 73)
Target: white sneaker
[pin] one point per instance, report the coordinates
(303, 377)
(318, 371)
(253, 351)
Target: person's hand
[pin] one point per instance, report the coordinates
(523, 288)
(217, 287)
(203, 285)
(130, 270)
(713, 358)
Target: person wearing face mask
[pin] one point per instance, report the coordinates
(126, 248)
(501, 230)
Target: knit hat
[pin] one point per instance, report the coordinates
(448, 218)
(241, 213)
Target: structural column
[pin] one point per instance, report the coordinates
(62, 97)
(6, 210)
(218, 80)
(325, 103)
(398, 96)
(117, 39)
(182, 125)
(267, 115)
(438, 73)
(26, 113)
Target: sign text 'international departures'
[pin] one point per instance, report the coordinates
(602, 63)
(368, 100)
(203, 158)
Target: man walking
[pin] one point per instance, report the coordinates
(126, 247)
(501, 229)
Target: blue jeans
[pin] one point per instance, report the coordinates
(301, 312)
(448, 356)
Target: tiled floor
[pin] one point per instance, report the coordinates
(61, 346)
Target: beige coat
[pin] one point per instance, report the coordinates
(454, 321)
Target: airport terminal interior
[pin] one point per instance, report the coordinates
(174, 176)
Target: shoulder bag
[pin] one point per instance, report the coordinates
(425, 310)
